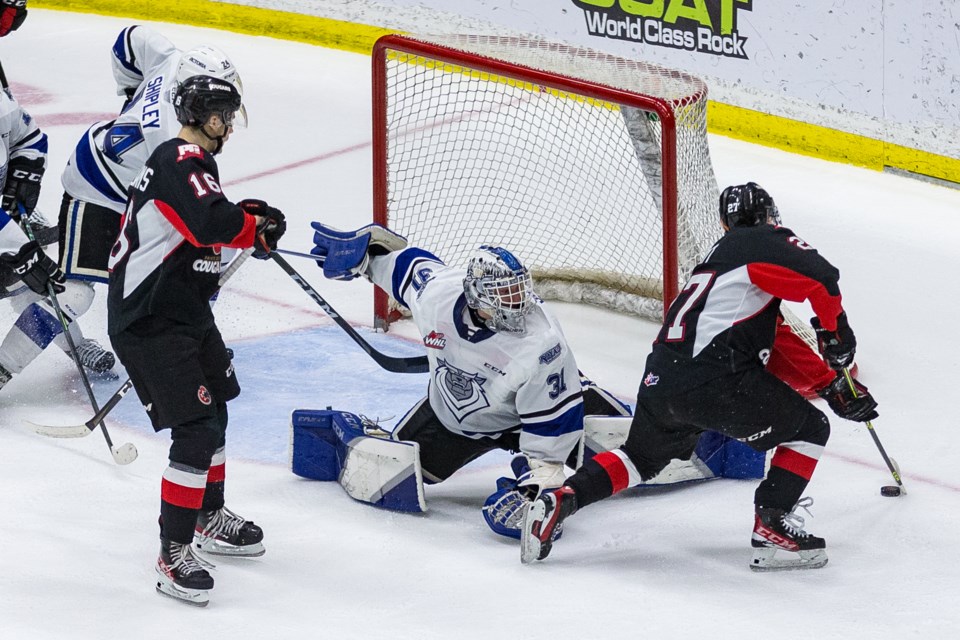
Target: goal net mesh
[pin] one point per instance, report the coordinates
(556, 155)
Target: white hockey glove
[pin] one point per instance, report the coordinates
(543, 475)
(344, 255)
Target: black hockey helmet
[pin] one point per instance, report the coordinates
(747, 205)
(199, 97)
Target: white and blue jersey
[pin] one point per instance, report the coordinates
(19, 138)
(112, 152)
(485, 383)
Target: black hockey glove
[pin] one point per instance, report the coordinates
(23, 185)
(269, 231)
(12, 15)
(35, 268)
(839, 396)
(837, 347)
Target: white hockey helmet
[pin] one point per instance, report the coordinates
(498, 285)
(206, 60)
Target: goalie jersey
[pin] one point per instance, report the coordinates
(485, 383)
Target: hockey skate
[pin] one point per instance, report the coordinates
(541, 519)
(224, 533)
(182, 575)
(94, 357)
(5, 376)
(780, 543)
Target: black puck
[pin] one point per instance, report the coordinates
(890, 491)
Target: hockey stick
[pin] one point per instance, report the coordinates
(288, 252)
(891, 464)
(81, 430)
(126, 453)
(418, 364)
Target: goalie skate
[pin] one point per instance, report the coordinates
(780, 543)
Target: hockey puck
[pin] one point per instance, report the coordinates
(890, 491)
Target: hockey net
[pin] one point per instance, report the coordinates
(593, 169)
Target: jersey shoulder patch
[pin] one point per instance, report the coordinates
(189, 150)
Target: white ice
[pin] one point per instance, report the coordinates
(78, 534)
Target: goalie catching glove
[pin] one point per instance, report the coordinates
(859, 407)
(271, 228)
(35, 268)
(503, 509)
(344, 255)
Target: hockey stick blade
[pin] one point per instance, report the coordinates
(81, 430)
(417, 364)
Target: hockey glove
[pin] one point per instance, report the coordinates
(23, 185)
(35, 268)
(859, 408)
(503, 509)
(269, 231)
(837, 347)
(12, 15)
(344, 255)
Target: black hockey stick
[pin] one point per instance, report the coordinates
(417, 364)
(125, 453)
(81, 430)
(891, 463)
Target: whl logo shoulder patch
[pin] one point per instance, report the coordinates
(434, 340)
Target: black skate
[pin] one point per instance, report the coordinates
(541, 519)
(778, 531)
(224, 533)
(94, 357)
(182, 575)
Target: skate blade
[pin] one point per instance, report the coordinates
(766, 559)
(222, 549)
(193, 597)
(529, 544)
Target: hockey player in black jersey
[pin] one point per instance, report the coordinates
(164, 269)
(707, 372)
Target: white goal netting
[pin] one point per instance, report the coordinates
(593, 169)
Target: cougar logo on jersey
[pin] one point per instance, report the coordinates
(462, 392)
(434, 340)
(203, 395)
(205, 265)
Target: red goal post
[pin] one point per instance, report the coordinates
(593, 169)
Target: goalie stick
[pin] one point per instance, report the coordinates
(418, 364)
(127, 452)
(81, 430)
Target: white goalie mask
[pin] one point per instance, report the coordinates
(499, 286)
(210, 61)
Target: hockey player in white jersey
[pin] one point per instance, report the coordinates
(502, 375)
(24, 268)
(147, 68)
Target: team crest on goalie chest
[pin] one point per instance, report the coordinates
(462, 392)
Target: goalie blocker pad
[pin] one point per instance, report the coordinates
(332, 445)
(716, 455)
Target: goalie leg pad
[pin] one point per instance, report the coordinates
(332, 445)
(716, 455)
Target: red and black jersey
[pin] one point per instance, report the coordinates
(166, 261)
(725, 319)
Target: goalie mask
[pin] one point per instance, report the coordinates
(210, 61)
(747, 205)
(499, 287)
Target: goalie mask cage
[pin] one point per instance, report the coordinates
(592, 169)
